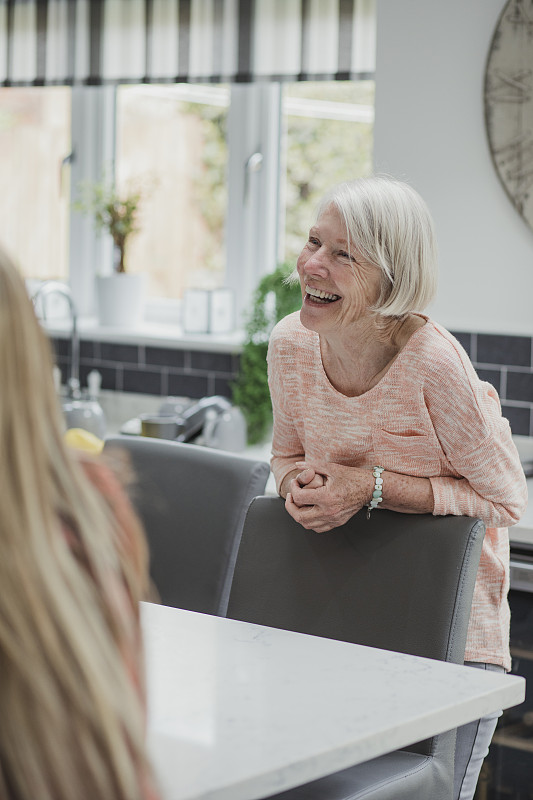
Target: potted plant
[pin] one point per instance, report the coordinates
(274, 298)
(120, 295)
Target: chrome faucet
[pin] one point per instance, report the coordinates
(55, 287)
(79, 410)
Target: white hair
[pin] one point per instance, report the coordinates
(390, 226)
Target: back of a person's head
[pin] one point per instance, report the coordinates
(71, 720)
(389, 224)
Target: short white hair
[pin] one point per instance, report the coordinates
(390, 226)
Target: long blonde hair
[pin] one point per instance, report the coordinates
(71, 718)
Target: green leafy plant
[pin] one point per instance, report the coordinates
(274, 298)
(112, 211)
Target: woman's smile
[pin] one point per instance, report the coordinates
(320, 297)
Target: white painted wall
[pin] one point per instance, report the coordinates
(429, 131)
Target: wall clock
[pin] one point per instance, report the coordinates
(508, 98)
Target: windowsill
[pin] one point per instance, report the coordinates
(149, 333)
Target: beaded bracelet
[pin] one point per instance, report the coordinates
(377, 494)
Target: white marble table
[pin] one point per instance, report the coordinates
(240, 711)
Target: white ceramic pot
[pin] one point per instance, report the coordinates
(121, 299)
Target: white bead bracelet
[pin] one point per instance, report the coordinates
(377, 494)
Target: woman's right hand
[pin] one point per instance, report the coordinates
(307, 478)
(333, 495)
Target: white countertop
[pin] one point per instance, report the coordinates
(239, 711)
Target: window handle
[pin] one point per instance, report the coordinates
(252, 164)
(64, 162)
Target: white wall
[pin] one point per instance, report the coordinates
(429, 131)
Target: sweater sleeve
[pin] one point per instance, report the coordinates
(286, 445)
(476, 440)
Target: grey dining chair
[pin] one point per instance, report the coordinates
(401, 582)
(192, 501)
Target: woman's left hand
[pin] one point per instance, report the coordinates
(321, 508)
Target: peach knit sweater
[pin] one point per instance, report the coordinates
(429, 416)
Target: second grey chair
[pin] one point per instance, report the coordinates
(401, 582)
(192, 501)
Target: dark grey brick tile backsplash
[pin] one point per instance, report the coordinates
(111, 376)
(89, 349)
(222, 386)
(519, 385)
(144, 381)
(164, 357)
(189, 385)
(504, 361)
(212, 362)
(62, 348)
(508, 350)
(152, 370)
(520, 418)
(121, 353)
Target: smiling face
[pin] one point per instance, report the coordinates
(338, 286)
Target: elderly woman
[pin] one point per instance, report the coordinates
(377, 406)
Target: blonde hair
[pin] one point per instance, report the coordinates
(389, 224)
(71, 721)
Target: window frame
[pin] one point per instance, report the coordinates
(254, 220)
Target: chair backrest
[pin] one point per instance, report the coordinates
(192, 501)
(400, 582)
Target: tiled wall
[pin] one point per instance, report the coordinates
(507, 363)
(152, 370)
(504, 361)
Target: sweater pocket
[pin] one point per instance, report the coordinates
(408, 454)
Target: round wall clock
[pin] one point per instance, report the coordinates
(509, 103)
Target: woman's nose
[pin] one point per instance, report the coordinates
(316, 264)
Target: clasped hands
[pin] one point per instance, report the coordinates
(323, 496)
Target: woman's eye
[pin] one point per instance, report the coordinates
(344, 254)
(314, 241)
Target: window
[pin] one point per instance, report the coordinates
(231, 176)
(171, 142)
(327, 139)
(35, 176)
(177, 140)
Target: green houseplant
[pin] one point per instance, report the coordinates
(113, 211)
(120, 295)
(274, 298)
